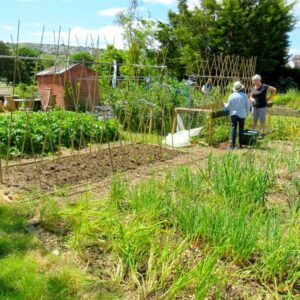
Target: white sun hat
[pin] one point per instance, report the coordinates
(238, 86)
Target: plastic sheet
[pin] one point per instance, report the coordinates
(182, 138)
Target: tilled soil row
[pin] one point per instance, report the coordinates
(69, 171)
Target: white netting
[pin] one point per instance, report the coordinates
(180, 125)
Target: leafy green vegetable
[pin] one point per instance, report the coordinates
(41, 133)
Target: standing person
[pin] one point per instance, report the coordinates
(206, 88)
(238, 106)
(259, 100)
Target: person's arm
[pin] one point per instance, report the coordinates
(272, 92)
(252, 100)
(228, 104)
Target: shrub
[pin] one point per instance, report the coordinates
(23, 90)
(290, 99)
(285, 129)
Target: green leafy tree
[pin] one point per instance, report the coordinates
(6, 65)
(242, 27)
(83, 57)
(105, 68)
(47, 60)
(139, 34)
(107, 57)
(26, 68)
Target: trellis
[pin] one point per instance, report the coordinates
(220, 71)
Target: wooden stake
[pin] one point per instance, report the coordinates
(13, 92)
(110, 152)
(174, 122)
(174, 127)
(151, 119)
(1, 174)
(211, 129)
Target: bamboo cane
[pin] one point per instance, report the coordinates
(1, 173)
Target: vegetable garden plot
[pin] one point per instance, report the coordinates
(47, 175)
(40, 133)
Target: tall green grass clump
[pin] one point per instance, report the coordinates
(118, 192)
(201, 279)
(238, 179)
(151, 201)
(222, 205)
(184, 234)
(279, 260)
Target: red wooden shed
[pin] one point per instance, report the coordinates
(73, 86)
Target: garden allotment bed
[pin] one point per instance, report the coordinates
(47, 175)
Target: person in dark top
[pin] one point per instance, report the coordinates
(259, 101)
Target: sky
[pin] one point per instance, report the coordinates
(85, 19)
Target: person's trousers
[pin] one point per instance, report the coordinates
(235, 123)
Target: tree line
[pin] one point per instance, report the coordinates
(241, 27)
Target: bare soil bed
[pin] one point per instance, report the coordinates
(69, 171)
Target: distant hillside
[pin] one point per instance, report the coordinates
(52, 49)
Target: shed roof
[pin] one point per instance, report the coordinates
(57, 70)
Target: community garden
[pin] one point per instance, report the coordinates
(202, 224)
(98, 201)
(100, 208)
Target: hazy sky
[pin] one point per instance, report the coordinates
(84, 18)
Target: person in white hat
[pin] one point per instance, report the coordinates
(239, 107)
(259, 100)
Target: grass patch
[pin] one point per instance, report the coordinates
(28, 272)
(180, 236)
(196, 233)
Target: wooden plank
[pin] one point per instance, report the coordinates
(273, 111)
(214, 114)
(186, 110)
(219, 114)
(285, 112)
(212, 106)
